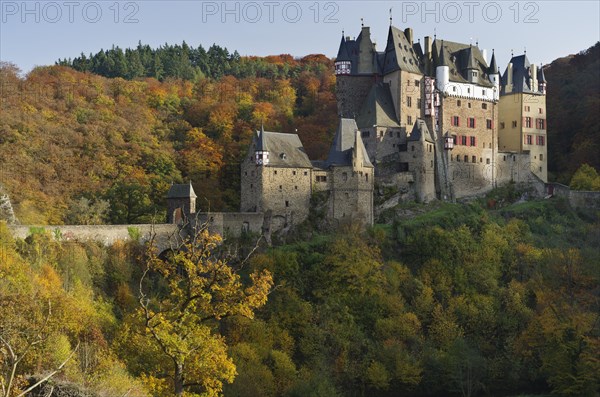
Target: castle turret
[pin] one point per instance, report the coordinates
(261, 155)
(493, 71)
(181, 203)
(343, 63)
(542, 81)
(442, 71)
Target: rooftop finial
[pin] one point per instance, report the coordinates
(524, 50)
(390, 16)
(434, 34)
(511, 53)
(477, 42)
(362, 22)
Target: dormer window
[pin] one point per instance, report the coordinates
(283, 156)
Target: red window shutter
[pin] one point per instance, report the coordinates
(473, 122)
(475, 142)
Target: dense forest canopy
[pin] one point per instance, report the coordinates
(453, 300)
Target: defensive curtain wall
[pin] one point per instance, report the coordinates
(166, 236)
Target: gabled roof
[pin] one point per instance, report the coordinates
(285, 150)
(378, 108)
(341, 151)
(461, 58)
(521, 71)
(420, 132)
(181, 191)
(400, 54)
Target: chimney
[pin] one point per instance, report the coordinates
(427, 48)
(408, 32)
(509, 77)
(484, 54)
(534, 82)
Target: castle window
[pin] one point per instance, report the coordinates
(245, 173)
(409, 101)
(471, 122)
(527, 108)
(458, 103)
(487, 161)
(409, 120)
(293, 172)
(483, 93)
(412, 148)
(367, 177)
(484, 105)
(540, 169)
(455, 121)
(468, 90)
(454, 88)
(466, 159)
(345, 176)
(398, 134)
(472, 141)
(305, 173)
(529, 139)
(488, 124)
(417, 83)
(455, 139)
(346, 195)
(541, 140)
(514, 124)
(541, 157)
(283, 156)
(504, 158)
(469, 105)
(463, 140)
(502, 125)
(280, 187)
(275, 172)
(295, 187)
(287, 203)
(473, 159)
(541, 111)
(541, 124)
(528, 123)
(251, 186)
(321, 178)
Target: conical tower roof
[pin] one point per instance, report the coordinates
(261, 145)
(343, 54)
(493, 65)
(442, 61)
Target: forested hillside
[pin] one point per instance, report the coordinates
(573, 104)
(445, 300)
(81, 148)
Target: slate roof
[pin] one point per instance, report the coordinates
(420, 131)
(493, 65)
(285, 150)
(343, 51)
(378, 108)
(400, 54)
(541, 77)
(461, 58)
(521, 74)
(181, 191)
(340, 153)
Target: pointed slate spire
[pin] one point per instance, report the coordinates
(343, 51)
(493, 69)
(260, 144)
(471, 64)
(442, 61)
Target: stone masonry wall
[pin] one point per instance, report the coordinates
(351, 92)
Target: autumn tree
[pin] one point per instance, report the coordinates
(197, 290)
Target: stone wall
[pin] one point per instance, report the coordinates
(286, 192)
(576, 198)
(166, 234)
(233, 223)
(351, 92)
(351, 196)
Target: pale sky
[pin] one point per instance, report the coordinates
(39, 32)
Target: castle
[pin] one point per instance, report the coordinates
(437, 121)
